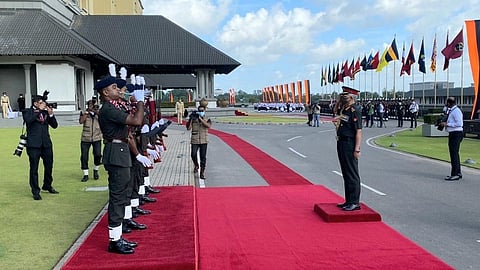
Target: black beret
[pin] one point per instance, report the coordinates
(104, 82)
(121, 83)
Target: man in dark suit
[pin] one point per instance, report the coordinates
(39, 145)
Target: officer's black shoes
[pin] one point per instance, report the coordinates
(351, 207)
(149, 189)
(37, 197)
(131, 244)
(95, 174)
(120, 247)
(147, 199)
(202, 173)
(140, 211)
(341, 205)
(51, 190)
(85, 178)
(195, 169)
(126, 229)
(132, 224)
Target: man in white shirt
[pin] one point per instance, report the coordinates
(413, 109)
(454, 126)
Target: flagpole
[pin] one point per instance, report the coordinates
(394, 75)
(435, 90)
(386, 82)
(461, 85)
(448, 84)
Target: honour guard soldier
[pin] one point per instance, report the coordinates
(114, 120)
(349, 137)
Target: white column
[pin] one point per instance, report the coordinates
(28, 93)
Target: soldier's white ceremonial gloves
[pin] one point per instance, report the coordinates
(155, 125)
(139, 95)
(145, 129)
(153, 153)
(146, 162)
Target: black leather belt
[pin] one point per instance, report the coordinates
(344, 138)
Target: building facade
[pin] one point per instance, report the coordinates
(109, 7)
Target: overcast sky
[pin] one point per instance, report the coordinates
(279, 42)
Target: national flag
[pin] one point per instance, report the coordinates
(392, 53)
(330, 79)
(364, 64)
(324, 79)
(339, 73)
(402, 70)
(357, 67)
(473, 38)
(369, 61)
(375, 61)
(383, 62)
(334, 74)
(455, 49)
(410, 60)
(433, 59)
(447, 60)
(421, 59)
(346, 70)
(351, 68)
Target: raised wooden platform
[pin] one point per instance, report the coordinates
(329, 212)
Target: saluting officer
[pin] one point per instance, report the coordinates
(349, 137)
(114, 120)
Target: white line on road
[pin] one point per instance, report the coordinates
(365, 186)
(291, 139)
(293, 150)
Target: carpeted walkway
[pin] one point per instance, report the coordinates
(168, 243)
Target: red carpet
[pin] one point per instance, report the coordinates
(168, 243)
(276, 228)
(274, 172)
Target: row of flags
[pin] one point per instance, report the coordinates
(337, 73)
(286, 92)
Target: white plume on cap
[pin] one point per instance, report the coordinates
(137, 79)
(111, 69)
(123, 73)
(132, 79)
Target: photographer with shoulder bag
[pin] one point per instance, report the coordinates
(38, 118)
(199, 140)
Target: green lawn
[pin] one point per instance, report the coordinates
(36, 234)
(434, 147)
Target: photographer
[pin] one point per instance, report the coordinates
(39, 145)
(199, 139)
(454, 125)
(91, 136)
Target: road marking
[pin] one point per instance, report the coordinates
(365, 186)
(293, 150)
(296, 137)
(478, 241)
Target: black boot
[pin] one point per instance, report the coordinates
(120, 247)
(202, 173)
(147, 199)
(140, 211)
(95, 174)
(85, 178)
(149, 189)
(132, 224)
(131, 244)
(195, 169)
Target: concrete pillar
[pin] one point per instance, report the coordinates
(28, 92)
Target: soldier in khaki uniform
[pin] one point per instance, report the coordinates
(199, 140)
(91, 136)
(179, 108)
(5, 104)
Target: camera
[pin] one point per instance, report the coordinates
(52, 105)
(21, 144)
(194, 115)
(441, 119)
